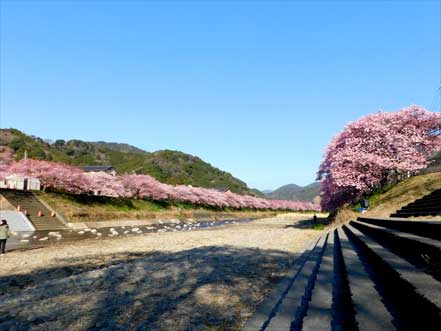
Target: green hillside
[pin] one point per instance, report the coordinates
(172, 167)
(296, 193)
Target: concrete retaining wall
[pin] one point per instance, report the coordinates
(17, 221)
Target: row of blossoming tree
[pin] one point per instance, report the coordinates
(360, 159)
(70, 179)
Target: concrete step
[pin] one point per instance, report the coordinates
(319, 310)
(435, 201)
(415, 214)
(422, 205)
(424, 285)
(290, 308)
(429, 205)
(422, 240)
(362, 276)
(420, 209)
(30, 203)
(402, 215)
(371, 313)
(267, 309)
(426, 200)
(422, 253)
(432, 195)
(408, 308)
(426, 229)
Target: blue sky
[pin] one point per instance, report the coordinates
(255, 88)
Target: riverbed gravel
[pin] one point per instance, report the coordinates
(198, 280)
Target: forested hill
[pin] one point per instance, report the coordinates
(296, 193)
(172, 167)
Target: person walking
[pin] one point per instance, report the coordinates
(5, 233)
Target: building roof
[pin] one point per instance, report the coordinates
(222, 189)
(15, 176)
(97, 168)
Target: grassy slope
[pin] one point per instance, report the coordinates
(403, 193)
(82, 209)
(384, 204)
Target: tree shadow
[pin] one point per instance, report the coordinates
(205, 288)
(308, 223)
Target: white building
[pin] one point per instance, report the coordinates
(17, 182)
(108, 169)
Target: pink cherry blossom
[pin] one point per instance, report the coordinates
(102, 183)
(144, 186)
(51, 174)
(360, 158)
(66, 178)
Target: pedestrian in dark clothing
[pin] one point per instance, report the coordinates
(5, 233)
(364, 203)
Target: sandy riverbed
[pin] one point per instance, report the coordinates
(201, 280)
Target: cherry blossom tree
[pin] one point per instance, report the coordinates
(6, 159)
(102, 183)
(71, 179)
(4, 170)
(54, 175)
(360, 158)
(145, 186)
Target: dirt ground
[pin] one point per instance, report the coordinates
(199, 280)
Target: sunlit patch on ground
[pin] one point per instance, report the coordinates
(162, 281)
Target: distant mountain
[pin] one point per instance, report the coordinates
(125, 148)
(295, 192)
(172, 167)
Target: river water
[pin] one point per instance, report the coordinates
(29, 240)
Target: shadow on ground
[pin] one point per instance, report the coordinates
(309, 223)
(207, 288)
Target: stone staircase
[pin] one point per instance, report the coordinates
(28, 201)
(429, 205)
(370, 274)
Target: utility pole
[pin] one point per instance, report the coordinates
(436, 101)
(439, 91)
(25, 155)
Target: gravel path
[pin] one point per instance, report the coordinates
(202, 280)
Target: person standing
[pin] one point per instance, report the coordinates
(5, 233)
